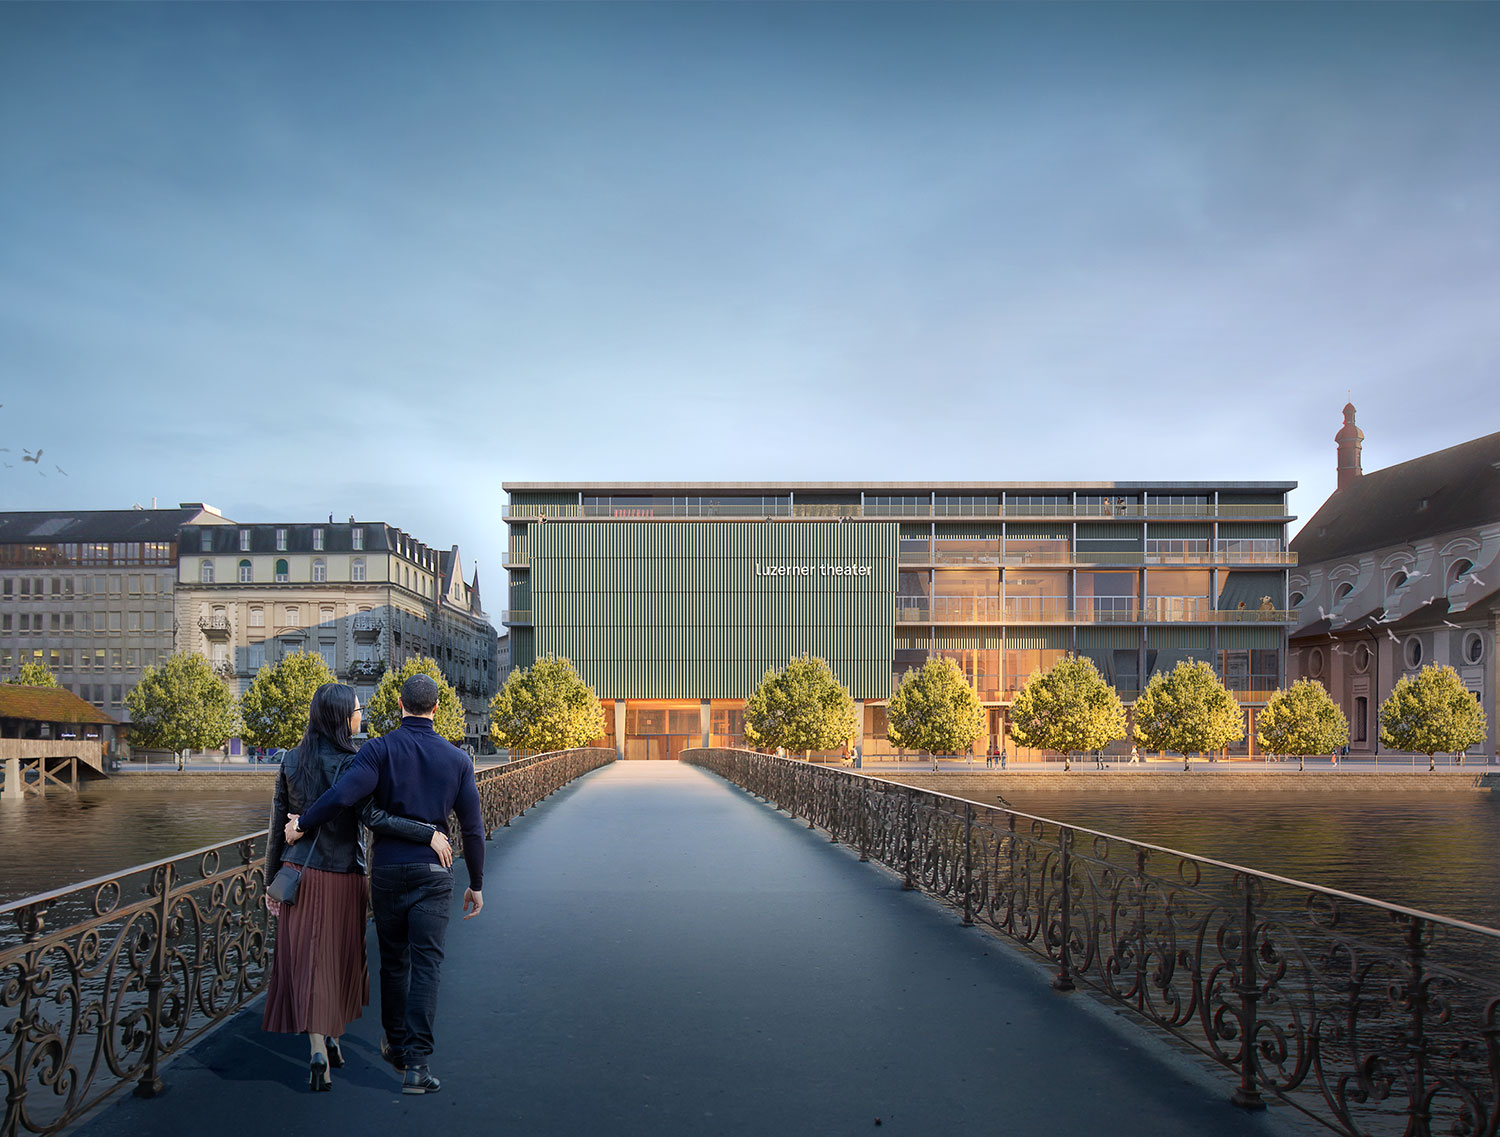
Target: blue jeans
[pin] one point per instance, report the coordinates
(412, 905)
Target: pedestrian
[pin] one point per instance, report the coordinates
(411, 890)
(319, 980)
(1135, 755)
(1002, 757)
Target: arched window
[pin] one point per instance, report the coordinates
(1461, 568)
(1297, 598)
(1342, 591)
(282, 576)
(205, 572)
(320, 570)
(1398, 580)
(246, 573)
(357, 569)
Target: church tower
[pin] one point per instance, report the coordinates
(1350, 439)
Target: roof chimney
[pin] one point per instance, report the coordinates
(1350, 438)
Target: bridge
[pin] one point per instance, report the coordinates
(664, 951)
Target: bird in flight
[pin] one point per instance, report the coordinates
(59, 469)
(30, 457)
(1450, 624)
(1475, 579)
(1392, 634)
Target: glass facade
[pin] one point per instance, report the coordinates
(1004, 582)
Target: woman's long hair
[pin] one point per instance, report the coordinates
(328, 718)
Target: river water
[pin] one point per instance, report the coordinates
(1439, 852)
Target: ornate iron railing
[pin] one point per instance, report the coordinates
(1370, 1018)
(508, 791)
(102, 981)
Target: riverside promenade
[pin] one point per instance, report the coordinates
(661, 953)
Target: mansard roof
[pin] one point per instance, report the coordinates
(1443, 492)
(80, 525)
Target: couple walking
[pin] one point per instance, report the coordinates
(403, 786)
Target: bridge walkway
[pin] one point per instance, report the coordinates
(661, 954)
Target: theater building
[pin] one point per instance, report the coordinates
(673, 599)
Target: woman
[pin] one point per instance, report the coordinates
(319, 980)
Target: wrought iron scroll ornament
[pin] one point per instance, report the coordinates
(101, 982)
(1370, 1018)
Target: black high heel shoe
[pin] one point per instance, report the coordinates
(335, 1054)
(318, 1080)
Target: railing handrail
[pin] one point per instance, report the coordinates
(961, 802)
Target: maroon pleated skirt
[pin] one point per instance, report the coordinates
(319, 979)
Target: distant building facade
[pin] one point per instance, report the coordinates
(366, 596)
(89, 594)
(1398, 569)
(673, 599)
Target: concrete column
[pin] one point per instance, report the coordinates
(620, 728)
(705, 719)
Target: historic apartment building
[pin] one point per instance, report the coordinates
(366, 596)
(1400, 568)
(89, 594)
(98, 596)
(673, 599)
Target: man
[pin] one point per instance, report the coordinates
(412, 772)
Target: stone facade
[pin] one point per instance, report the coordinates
(364, 595)
(1399, 569)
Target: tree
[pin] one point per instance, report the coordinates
(181, 705)
(546, 706)
(935, 710)
(33, 675)
(1301, 720)
(276, 705)
(1068, 707)
(1433, 712)
(801, 707)
(1187, 710)
(383, 713)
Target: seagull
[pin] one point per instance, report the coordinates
(59, 469)
(1337, 650)
(1475, 579)
(1394, 638)
(1322, 612)
(37, 457)
(1451, 624)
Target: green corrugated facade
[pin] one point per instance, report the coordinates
(663, 610)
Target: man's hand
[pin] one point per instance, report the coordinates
(292, 832)
(442, 847)
(472, 900)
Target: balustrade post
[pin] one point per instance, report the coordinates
(862, 820)
(968, 864)
(1420, 1121)
(1247, 1096)
(1064, 980)
(151, 1084)
(907, 882)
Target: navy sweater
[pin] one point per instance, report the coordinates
(412, 772)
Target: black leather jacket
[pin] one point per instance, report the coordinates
(338, 847)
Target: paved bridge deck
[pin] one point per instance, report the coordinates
(662, 954)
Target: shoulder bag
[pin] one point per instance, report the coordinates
(288, 878)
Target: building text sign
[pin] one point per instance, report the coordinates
(812, 570)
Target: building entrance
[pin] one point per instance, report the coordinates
(661, 731)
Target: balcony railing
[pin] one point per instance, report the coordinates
(1102, 610)
(367, 668)
(215, 627)
(516, 616)
(922, 510)
(939, 557)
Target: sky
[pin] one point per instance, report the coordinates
(375, 259)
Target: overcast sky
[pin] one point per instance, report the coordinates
(295, 260)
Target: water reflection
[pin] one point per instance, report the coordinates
(1439, 852)
(62, 839)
